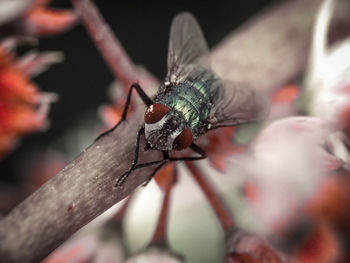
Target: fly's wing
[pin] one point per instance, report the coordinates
(188, 49)
(236, 104)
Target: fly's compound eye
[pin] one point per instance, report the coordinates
(155, 113)
(183, 140)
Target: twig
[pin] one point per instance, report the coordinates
(221, 211)
(266, 52)
(270, 49)
(111, 49)
(160, 233)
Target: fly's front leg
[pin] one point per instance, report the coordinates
(142, 95)
(124, 176)
(162, 163)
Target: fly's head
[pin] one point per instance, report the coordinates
(164, 130)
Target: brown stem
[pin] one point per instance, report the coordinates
(76, 195)
(119, 215)
(223, 214)
(266, 52)
(250, 55)
(159, 236)
(109, 46)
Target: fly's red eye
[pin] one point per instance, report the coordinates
(183, 140)
(155, 113)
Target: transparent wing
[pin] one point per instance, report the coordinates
(236, 104)
(187, 48)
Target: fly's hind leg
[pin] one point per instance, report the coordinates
(144, 98)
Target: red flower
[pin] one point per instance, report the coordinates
(219, 146)
(245, 248)
(38, 19)
(320, 246)
(283, 102)
(23, 108)
(43, 21)
(111, 115)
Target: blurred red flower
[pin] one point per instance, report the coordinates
(35, 19)
(23, 108)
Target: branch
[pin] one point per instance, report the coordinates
(266, 52)
(218, 205)
(109, 46)
(270, 49)
(80, 192)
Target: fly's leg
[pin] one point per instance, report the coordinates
(167, 159)
(196, 149)
(164, 161)
(124, 176)
(144, 98)
(122, 179)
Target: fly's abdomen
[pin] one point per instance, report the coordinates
(192, 101)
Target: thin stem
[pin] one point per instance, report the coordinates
(215, 201)
(159, 236)
(111, 49)
(119, 215)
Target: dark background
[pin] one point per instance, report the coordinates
(142, 27)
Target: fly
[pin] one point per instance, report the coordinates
(191, 101)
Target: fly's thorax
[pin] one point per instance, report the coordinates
(191, 100)
(163, 134)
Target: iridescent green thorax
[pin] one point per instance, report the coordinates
(192, 101)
